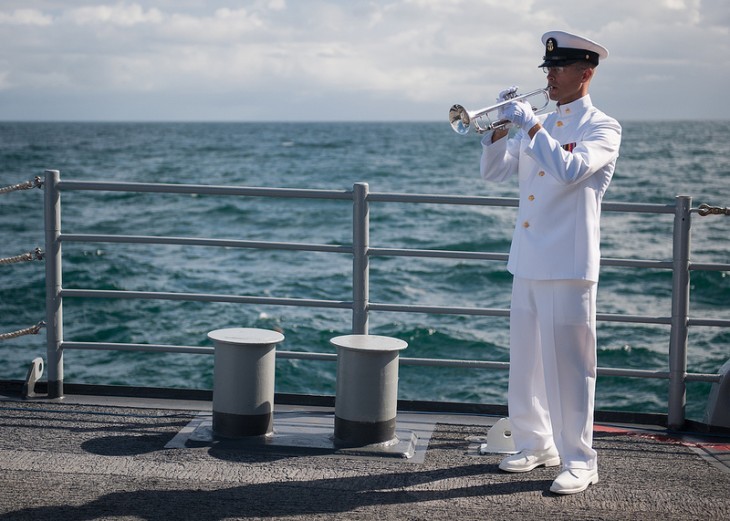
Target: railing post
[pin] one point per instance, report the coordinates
(54, 308)
(360, 261)
(680, 313)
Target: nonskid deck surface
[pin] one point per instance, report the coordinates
(76, 460)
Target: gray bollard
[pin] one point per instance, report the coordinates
(366, 399)
(243, 381)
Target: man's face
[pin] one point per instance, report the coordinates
(567, 82)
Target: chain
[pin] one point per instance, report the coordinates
(33, 330)
(36, 254)
(706, 209)
(36, 183)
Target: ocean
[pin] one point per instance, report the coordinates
(659, 160)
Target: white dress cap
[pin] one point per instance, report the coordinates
(562, 48)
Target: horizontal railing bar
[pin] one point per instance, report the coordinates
(635, 263)
(712, 322)
(638, 208)
(504, 201)
(330, 194)
(373, 306)
(475, 255)
(337, 304)
(195, 241)
(201, 350)
(706, 266)
(332, 357)
(471, 200)
(442, 254)
(632, 373)
(632, 319)
(445, 362)
(602, 371)
(384, 252)
(163, 188)
(438, 310)
(492, 312)
(304, 355)
(149, 348)
(699, 377)
(204, 297)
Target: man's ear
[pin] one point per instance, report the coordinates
(588, 73)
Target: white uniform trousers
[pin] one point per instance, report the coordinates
(552, 376)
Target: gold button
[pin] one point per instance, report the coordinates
(526, 224)
(559, 124)
(567, 111)
(531, 198)
(541, 173)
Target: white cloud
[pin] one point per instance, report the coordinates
(421, 55)
(25, 17)
(120, 14)
(225, 27)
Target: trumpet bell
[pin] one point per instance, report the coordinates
(459, 119)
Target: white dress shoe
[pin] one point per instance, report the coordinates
(572, 481)
(526, 460)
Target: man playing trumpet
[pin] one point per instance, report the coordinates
(564, 165)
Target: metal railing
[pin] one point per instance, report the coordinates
(361, 252)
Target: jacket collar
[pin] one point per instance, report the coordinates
(575, 107)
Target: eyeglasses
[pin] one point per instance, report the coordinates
(556, 70)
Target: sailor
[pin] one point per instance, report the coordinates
(564, 164)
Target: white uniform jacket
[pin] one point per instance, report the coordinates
(563, 173)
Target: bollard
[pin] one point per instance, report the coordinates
(367, 389)
(243, 381)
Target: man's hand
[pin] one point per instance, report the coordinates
(520, 113)
(504, 95)
(507, 93)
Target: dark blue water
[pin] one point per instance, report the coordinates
(658, 161)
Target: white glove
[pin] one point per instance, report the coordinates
(520, 113)
(507, 93)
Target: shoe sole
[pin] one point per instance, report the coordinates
(567, 491)
(554, 462)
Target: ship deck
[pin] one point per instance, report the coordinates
(102, 457)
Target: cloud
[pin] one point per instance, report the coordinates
(31, 17)
(120, 14)
(304, 58)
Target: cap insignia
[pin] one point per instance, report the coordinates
(550, 45)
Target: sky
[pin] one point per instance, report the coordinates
(358, 60)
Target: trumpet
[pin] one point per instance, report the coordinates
(462, 119)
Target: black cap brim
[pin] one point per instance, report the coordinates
(556, 63)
